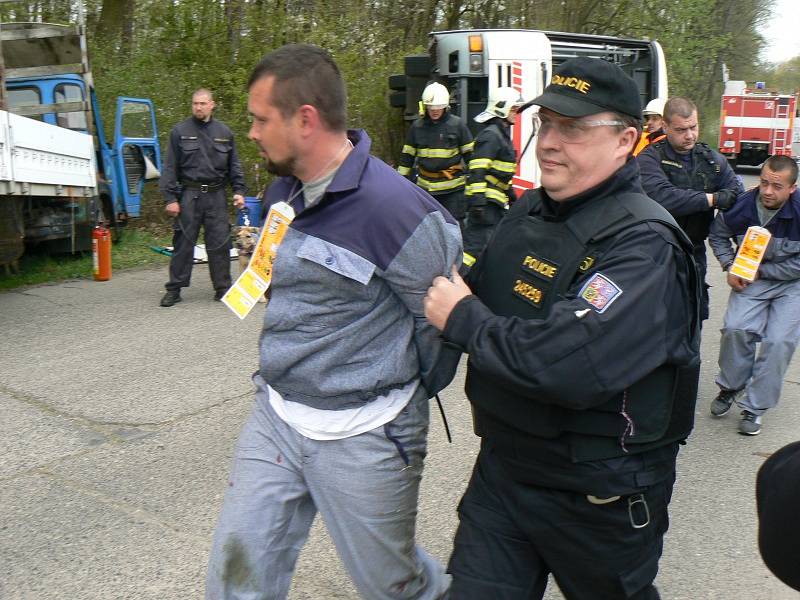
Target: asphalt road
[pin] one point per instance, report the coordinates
(119, 420)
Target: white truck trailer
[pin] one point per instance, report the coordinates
(39, 160)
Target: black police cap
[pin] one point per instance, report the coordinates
(587, 86)
(778, 501)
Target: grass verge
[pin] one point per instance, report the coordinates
(133, 250)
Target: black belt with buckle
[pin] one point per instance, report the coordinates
(202, 187)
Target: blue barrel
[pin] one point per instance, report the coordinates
(252, 205)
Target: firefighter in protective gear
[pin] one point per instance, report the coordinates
(439, 144)
(653, 125)
(491, 169)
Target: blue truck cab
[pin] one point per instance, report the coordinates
(48, 78)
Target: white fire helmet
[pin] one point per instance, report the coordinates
(501, 101)
(655, 107)
(435, 96)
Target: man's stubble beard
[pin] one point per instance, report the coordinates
(281, 169)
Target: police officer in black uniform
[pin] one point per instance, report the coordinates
(201, 161)
(688, 178)
(581, 323)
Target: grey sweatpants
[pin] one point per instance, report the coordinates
(766, 311)
(365, 488)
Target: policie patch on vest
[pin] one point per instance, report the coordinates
(539, 266)
(600, 292)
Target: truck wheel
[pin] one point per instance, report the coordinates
(12, 233)
(417, 65)
(397, 83)
(110, 219)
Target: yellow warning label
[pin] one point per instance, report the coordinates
(239, 302)
(254, 281)
(275, 227)
(751, 252)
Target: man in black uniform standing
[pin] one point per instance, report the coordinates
(688, 178)
(581, 323)
(201, 161)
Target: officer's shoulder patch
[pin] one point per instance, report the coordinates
(600, 292)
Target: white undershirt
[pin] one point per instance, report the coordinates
(320, 424)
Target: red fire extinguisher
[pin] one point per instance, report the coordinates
(101, 253)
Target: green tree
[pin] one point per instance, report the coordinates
(164, 49)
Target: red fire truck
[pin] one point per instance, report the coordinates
(755, 123)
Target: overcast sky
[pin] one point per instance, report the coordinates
(782, 32)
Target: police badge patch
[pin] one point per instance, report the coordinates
(600, 292)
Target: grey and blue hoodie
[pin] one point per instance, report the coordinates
(345, 322)
(782, 258)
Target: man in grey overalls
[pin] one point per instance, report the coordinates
(766, 310)
(201, 160)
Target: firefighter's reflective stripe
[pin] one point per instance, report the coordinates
(468, 260)
(437, 152)
(438, 186)
(466, 148)
(480, 163)
(404, 171)
(505, 167)
(497, 195)
(410, 150)
(503, 185)
(476, 188)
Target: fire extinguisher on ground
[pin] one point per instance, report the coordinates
(101, 253)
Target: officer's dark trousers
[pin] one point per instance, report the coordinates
(480, 224)
(512, 535)
(456, 204)
(209, 209)
(702, 267)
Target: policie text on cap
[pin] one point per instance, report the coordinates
(587, 86)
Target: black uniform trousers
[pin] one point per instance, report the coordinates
(209, 210)
(512, 535)
(479, 226)
(702, 267)
(455, 203)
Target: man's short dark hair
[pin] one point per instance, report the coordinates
(203, 92)
(305, 74)
(780, 162)
(683, 107)
(628, 121)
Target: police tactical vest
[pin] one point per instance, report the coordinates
(523, 273)
(703, 177)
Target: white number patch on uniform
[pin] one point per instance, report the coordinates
(600, 292)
